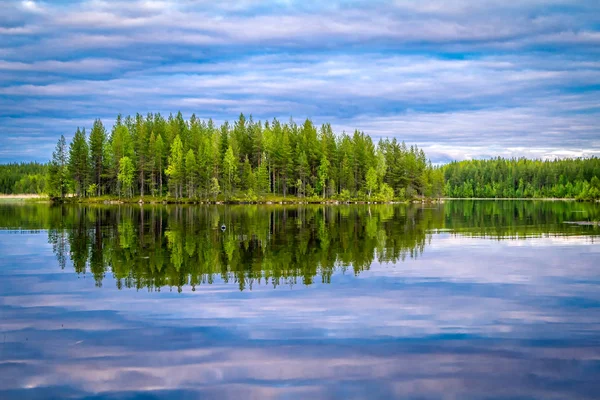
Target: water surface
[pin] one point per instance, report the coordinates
(467, 299)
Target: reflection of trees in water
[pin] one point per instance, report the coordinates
(174, 246)
(517, 219)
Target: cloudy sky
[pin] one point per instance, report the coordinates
(462, 79)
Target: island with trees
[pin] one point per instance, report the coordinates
(152, 158)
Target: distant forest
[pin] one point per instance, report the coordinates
(522, 178)
(251, 160)
(23, 178)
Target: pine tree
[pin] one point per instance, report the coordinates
(158, 159)
(248, 178)
(190, 172)
(230, 165)
(152, 163)
(141, 151)
(323, 176)
(79, 161)
(302, 169)
(263, 183)
(58, 170)
(97, 142)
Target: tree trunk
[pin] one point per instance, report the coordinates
(142, 182)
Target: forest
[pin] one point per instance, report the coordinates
(19, 178)
(177, 158)
(522, 178)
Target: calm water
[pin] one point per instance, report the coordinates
(488, 299)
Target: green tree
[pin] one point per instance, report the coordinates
(371, 180)
(248, 177)
(323, 176)
(79, 161)
(97, 142)
(58, 170)
(158, 160)
(126, 175)
(230, 165)
(175, 169)
(190, 172)
(215, 189)
(263, 183)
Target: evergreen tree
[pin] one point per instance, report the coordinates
(58, 172)
(248, 180)
(158, 161)
(230, 166)
(97, 142)
(263, 183)
(190, 172)
(79, 161)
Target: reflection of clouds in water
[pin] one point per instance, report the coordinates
(425, 367)
(468, 318)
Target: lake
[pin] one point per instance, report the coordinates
(466, 299)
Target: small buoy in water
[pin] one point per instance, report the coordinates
(223, 227)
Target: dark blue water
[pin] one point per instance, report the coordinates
(495, 303)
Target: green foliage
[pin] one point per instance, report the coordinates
(97, 153)
(190, 173)
(386, 193)
(371, 180)
(230, 165)
(263, 181)
(289, 159)
(268, 157)
(344, 195)
(175, 170)
(323, 176)
(58, 170)
(522, 178)
(215, 189)
(126, 175)
(79, 161)
(23, 178)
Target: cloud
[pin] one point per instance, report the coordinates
(437, 73)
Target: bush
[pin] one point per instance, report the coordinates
(344, 195)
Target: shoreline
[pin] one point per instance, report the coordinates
(107, 200)
(289, 200)
(515, 198)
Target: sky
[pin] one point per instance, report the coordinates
(461, 79)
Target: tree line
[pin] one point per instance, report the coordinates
(151, 155)
(252, 160)
(522, 178)
(23, 178)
